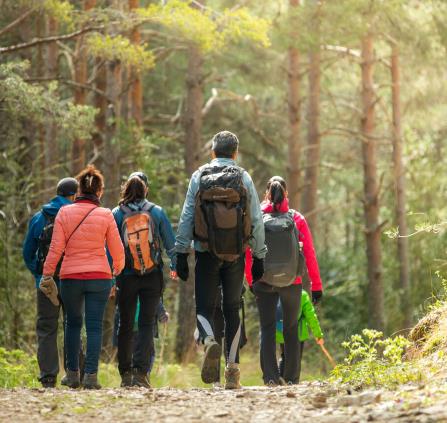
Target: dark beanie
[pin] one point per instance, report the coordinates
(140, 175)
(67, 187)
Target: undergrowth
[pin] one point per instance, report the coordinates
(375, 361)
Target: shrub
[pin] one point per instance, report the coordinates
(17, 369)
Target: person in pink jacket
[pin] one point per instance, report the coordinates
(81, 233)
(267, 294)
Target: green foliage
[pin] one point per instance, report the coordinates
(120, 48)
(374, 361)
(17, 369)
(211, 32)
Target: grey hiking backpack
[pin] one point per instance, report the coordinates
(284, 261)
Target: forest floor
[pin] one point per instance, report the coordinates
(310, 401)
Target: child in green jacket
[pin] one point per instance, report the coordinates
(307, 319)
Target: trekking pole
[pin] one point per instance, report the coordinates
(329, 357)
(162, 349)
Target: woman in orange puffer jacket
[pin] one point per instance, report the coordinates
(81, 232)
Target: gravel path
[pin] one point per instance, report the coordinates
(313, 402)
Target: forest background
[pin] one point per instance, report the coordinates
(345, 99)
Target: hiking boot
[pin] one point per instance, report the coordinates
(211, 361)
(140, 379)
(71, 379)
(232, 376)
(90, 381)
(126, 379)
(271, 384)
(48, 382)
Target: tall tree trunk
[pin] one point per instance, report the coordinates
(192, 126)
(400, 189)
(80, 93)
(313, 142)
(136, 87)
(52, 157)
(371, 194)
(294, 104)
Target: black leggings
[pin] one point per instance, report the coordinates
(267, 300)
(148, 289)
(212, 275)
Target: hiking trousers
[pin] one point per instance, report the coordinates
(47, 323)
(282, 359)
(267, 300)
(148, 289)
(84, 297)
(212, 274)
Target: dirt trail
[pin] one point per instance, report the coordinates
(313, 402)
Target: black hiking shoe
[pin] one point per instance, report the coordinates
(71, 379)
(48, 382)
(126, 379)
(211, 361)
(140, 379)
(90, 381)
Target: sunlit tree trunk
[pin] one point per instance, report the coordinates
(192, 126)
(52, 156)
(400, 189)
(313, 142)
(294, 105)
(371, 194)
(136, 87)
(80, 93)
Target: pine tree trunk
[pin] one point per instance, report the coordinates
(80, 93)
(313, 142)
(400, 190)
(52, 156)
(192, 126)
(371, 195)
(40, 71)
(294, 104)
(136, 88)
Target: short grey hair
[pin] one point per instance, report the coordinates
(225, 144)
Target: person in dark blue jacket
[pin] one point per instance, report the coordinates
(34, 256)
(142, 277)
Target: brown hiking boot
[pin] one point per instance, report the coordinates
(126, 379)
(71, 379)
(211, 361)
(90, 381)
(140, 379)
(232, 376)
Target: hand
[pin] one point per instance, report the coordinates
(316, 296)
(49, 288)
(182, 267)
(112, 292)
(257, 269)
(319, 341)
(164, 318)
(173, 275)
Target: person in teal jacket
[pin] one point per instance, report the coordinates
(307, 320)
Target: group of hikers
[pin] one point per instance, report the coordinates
(81, 254)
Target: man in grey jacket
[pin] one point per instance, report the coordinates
(212, 271)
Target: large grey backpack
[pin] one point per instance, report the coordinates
(284, 261)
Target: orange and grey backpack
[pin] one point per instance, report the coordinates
(140, 237)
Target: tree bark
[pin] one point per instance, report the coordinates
(400, 191)
(192, 126)
(313, 142)
(52, 156)
(80, 94)
(136, 87)
(371, 194)
(294, 105)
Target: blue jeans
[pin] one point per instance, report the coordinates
(94, 294)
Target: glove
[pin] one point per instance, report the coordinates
(164, 318)
(257, 269)
(182, 266)
(316, 296)
(49, 288)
